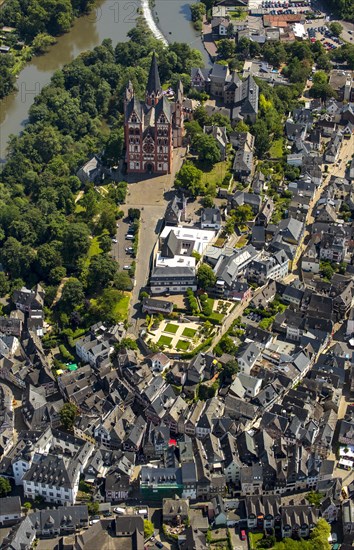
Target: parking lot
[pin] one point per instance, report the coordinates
(324, 35)
(279, 8)
(122, 247)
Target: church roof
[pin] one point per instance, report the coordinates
(154, 84)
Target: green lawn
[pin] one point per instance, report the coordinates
(121, 308)
(164, 341)
(216, 174)
(217, 316)
(276, 150)
(183, 345)
(171, 328)
(94, 250)
(238, 15)
(189, 332)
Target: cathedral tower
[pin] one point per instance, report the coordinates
(152, 127)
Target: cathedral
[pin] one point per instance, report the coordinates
(152, 128)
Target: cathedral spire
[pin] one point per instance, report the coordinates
(153, 88)
(180, 91)
(129, 91)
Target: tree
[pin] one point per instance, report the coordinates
(226, 48)
(4, 284)
(75, 243)
(27, 506)
(326, 270)
(101, 272)
(315, 498)
(336, 28)
(243, 214)
(208, 201)
(106, 243)
(5, 486)
(206, 277)
(48, 258)
(206, 148)
(93, 508)
(229, 370)
(197, 11)
(230, 225)
(126, 343)
(193, 128)
(122, 281)
(57, 274)
(68, 414)
(42, 42)
(17, 258)
(148, 528)
(72, 295)
(320, 86)
(189, 178)
(320, 534)
(262, 141)
(242, 127)
(114, 147)
(134, 213)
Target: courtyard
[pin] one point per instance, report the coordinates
(176, 336)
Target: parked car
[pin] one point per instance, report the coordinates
(94, 519)
(119, 511)
(126, 267)
(114, 240)
(243, 535)
(159, 544)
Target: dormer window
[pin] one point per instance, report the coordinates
(134, 119)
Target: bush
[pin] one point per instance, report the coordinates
(66, 355)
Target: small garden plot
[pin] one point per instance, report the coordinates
(171, 328)
(222, 307)
(164, 341)
(182, 345)
(189, 332)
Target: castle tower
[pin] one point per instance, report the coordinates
(153, 88)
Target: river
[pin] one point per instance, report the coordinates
(111, 19)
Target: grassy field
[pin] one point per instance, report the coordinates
(94, 250)
(238, 15)
(121, 308)
(276, 150)
(189, 332)
(216, 174)
(171, 328)
(164, 341)
(183, 345)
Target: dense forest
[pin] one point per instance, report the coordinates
(52, 228)
(32, 17)
(343, 8)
